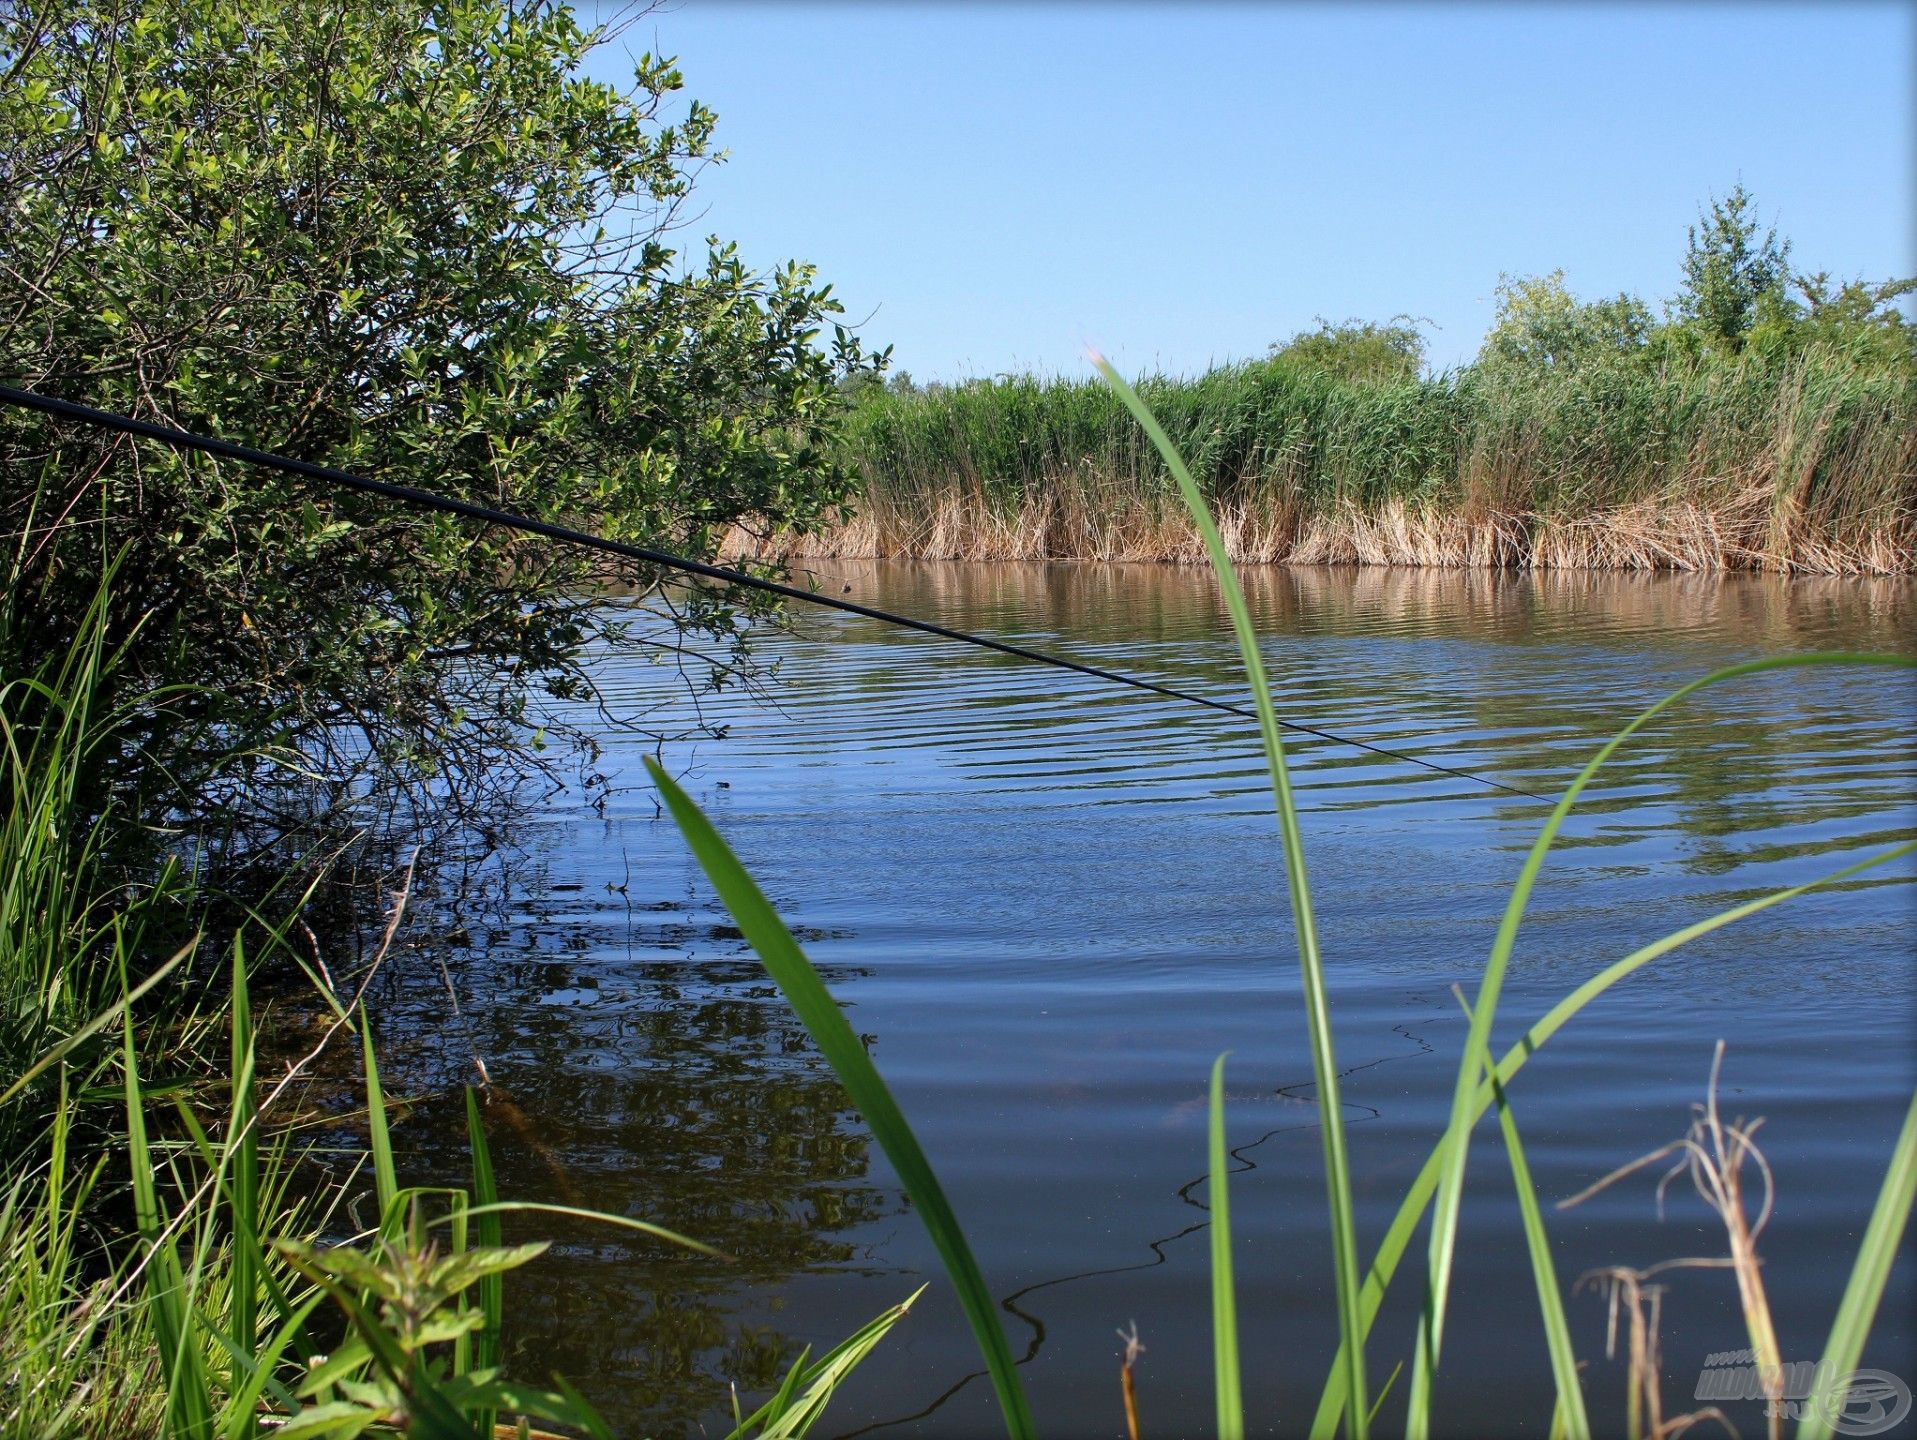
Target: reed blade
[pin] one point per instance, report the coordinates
(378, 1132)
(1224, 1304)
(1869, 1274)
(786, 963)
(492, 1286)
(189, 1414)
(1344, 1240)
(244, 1141)
(1557, 1326)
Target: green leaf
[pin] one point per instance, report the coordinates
(801, 1399)
(492, 1288)
(1871, 1271)
(1224, 1305)
(1557, 1328)
(1324, 1065)
(385, 1175)
(816, 1009)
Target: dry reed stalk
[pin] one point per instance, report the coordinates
(1713, 1153)
(1744, 527)
(1644, 1399)
(1133, 1349)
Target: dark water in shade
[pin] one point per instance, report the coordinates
(1049, 904)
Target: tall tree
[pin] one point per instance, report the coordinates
(1733, 274)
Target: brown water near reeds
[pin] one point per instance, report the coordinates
(1049, 904)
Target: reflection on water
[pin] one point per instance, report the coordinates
(1049, 904)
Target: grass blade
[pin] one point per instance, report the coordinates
(246, 1166)
(1867, 1277)
(497, 1208)
(189, 1414)
(1557, 1327)
(823, 1020)
(790, 1416)
(379, 1135)
(1344, 1239)
(1224, 1303)
(492, 1286)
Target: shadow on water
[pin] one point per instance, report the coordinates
(1050, 905)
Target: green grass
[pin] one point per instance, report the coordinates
(1224, 1301)
(160, 1272)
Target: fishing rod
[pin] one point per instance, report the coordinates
(449, 505)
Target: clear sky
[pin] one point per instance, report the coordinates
(992, 187)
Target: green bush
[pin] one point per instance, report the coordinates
(412, 240)
(1360, 351)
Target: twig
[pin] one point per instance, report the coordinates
(1133, 1349)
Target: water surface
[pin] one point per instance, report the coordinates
(1048, 904)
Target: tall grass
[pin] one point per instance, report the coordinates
(1808, 464)
(1480, 1085)
(166, 1267)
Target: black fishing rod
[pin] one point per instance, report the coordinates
(446, 504)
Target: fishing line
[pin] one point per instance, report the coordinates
(446, 504)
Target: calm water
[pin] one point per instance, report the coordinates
(1048, 904)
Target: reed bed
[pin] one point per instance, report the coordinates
(1804, 465)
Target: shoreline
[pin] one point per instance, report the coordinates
(1748, 533)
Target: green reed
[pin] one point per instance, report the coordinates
(1834, 440)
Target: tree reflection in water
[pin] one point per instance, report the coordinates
(632, 1072)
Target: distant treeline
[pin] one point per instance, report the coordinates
(1769, 420)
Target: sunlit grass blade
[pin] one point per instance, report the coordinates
(189, 1414)
(379, 1134)
(780, 1405)
(244, 1142)
(1378, 1401)
(823, 1020)
(1557, 1327)
(575, 1212)
(492, 1286)
(1344, 1241)
(1224, 1303)
(1404, 1225)
(1868, 1275)
(801, 1400)
(1464, 1110)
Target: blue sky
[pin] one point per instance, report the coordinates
(992, 187)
